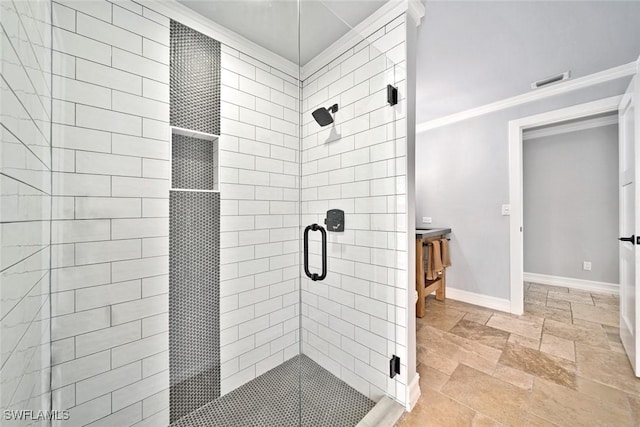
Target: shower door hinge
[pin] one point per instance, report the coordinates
(392, 95)
(394, 366)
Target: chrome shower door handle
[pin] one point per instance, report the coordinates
(315, 276)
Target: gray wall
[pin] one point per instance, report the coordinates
(571, 204)
(462, 179)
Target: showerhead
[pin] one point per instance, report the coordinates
(323, 116)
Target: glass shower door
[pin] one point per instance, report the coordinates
(353, 191)
(203, 211)
(255, 345)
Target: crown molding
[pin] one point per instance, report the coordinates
(417, 11)
(570, 127)
(378, 19)
(542, 93)
(179, 12)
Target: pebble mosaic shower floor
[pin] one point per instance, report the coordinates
(283, 398)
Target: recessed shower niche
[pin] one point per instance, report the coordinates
(194, 160)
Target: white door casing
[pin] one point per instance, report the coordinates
(516, 128)
(629, 138)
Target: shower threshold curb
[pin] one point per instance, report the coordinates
(386, 413)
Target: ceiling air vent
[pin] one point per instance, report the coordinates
(549, 80)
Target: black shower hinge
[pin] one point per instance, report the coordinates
(394, 366)
(392, 95)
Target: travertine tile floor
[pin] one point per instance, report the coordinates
(559, 364)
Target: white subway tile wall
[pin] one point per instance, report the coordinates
(260, 243)
(353, 321)
(25, 206)
(110, 186)
(111, 207)
(110, 229)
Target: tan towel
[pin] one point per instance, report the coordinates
(444, 246)
(425, 257)
(437, 257)
(427, 261)
(435, 261)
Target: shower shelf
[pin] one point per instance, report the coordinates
(193, 133)
(193, 190)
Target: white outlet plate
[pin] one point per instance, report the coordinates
(427, 220)
(586, 265)
(506, 210)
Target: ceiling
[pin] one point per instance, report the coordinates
(477, 52)
(470, 53)
(273, 24)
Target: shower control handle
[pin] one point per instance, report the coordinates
(315, 276)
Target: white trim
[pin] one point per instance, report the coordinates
(193, 133)
(494, 303)
(544, 92)
(411, 376)
(570, 282)
(516, 250)
(413, 392)
(378, 19)
(181, 13)
(571, 127)
(385, 413)
(417, 11)
(193, 190)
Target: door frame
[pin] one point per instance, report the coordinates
(516, 128)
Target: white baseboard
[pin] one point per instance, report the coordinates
(569, 282)
(413, 392)
(494, 303)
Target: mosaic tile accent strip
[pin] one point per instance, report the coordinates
(194, 80)
(194, 300)
(192, 163)
(298, 392)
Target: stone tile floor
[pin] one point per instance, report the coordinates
(559, 364)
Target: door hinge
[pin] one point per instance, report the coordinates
(394, 366)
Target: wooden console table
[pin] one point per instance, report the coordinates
(423, 287)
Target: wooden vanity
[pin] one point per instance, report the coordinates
(424, 287)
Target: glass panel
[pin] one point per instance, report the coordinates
(25, 215)
(157, 215)
(353, 164)
(255, 345)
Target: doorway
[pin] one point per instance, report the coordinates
(516, 133)
(570, 204)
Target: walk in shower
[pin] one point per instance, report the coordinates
(205, 212)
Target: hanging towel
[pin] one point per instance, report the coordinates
(427, 260)
(444, 248)
(435, 260)
(437, 257)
